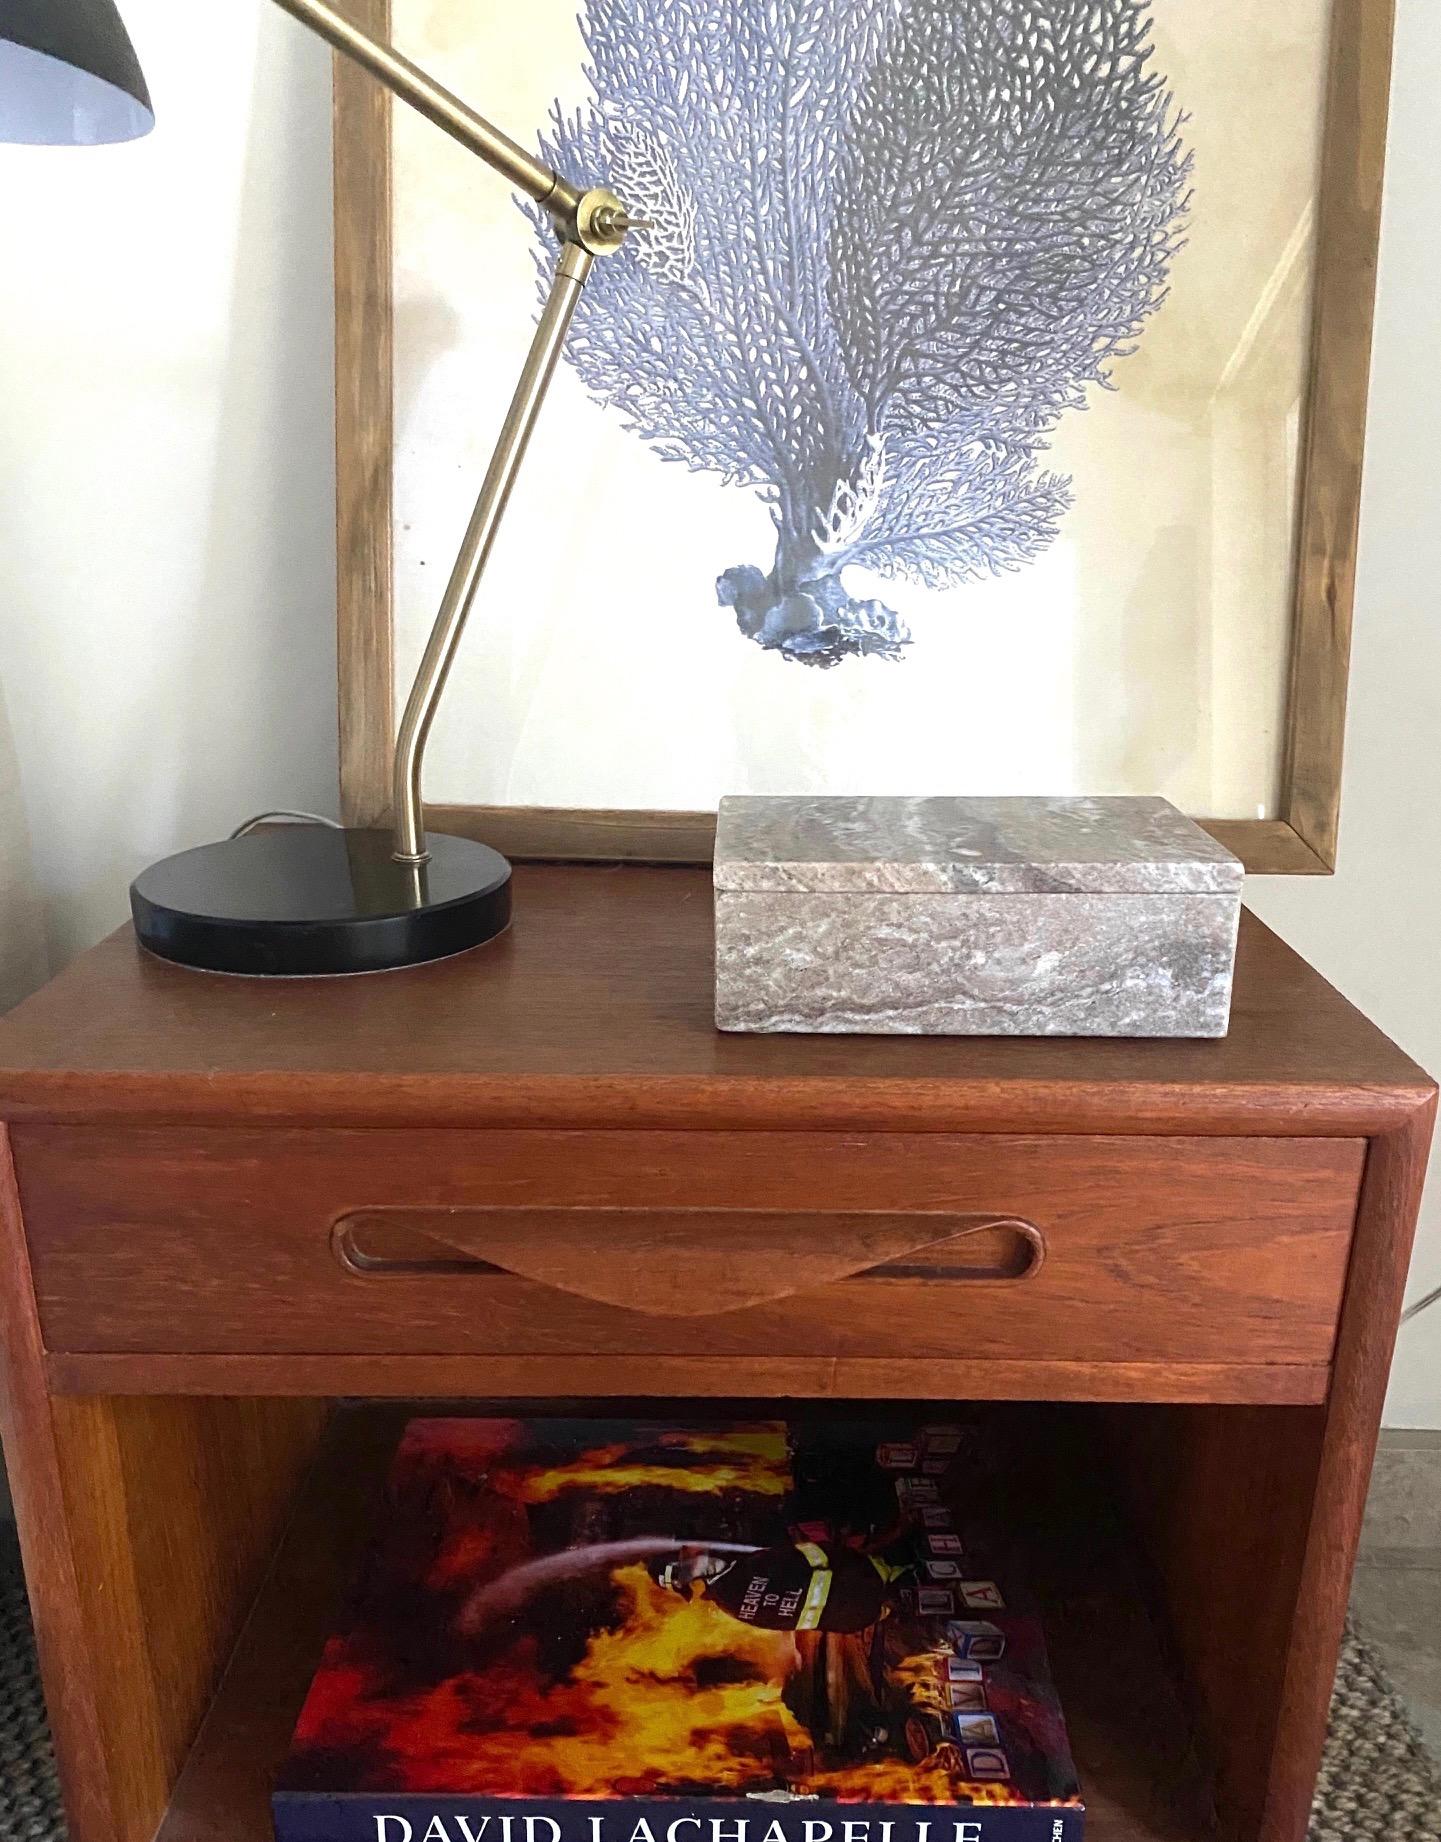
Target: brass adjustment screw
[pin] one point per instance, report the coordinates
(602, 221)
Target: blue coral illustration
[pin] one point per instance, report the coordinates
(894, 242)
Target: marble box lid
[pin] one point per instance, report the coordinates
(1125, 845)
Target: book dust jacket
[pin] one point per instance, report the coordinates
(625, 1631)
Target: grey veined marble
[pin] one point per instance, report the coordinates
(1135, 845)
(981, 917)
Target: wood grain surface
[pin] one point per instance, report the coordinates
(145, 1527)
(1348, 231)
(1223, 1499)
(545, 834)
(1185, 1250)
(1385, 1228)
(188, 1147)
(364, 430)
(832, 1378)
(596, 1010)
(174, 1507)
(1252, 1518)
(35, 1458)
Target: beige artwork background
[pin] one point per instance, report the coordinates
(1145, 652)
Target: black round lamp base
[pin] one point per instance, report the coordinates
(306, 901)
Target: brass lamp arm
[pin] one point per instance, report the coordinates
(593, 217)
(438, 105)
(460, 593)
(589, 223)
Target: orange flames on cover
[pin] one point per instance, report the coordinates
(898, 1781)
(632, 1716)
(921, 1677)
(679, 1695)
(631, 1719)
(753, 1460)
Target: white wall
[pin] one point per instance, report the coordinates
(166, 480)
(166, 526)
(1374, 928)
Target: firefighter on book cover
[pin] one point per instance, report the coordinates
(798, 1585)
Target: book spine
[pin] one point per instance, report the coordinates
(314, 1817)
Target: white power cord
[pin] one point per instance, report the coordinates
(285, 813)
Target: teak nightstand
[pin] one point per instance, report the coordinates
(538, 1172)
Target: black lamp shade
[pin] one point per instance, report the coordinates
(69, 76)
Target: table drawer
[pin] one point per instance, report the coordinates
(549, 1243)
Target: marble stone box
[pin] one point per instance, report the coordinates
(972, 917)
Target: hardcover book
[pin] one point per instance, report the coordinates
(625, 1631)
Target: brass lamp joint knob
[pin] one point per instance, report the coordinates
(601, 222)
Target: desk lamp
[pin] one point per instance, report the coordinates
(312, 899)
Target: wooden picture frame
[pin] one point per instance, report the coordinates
(1301, 841)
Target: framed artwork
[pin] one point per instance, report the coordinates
(983, 413)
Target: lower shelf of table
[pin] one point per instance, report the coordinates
(1140, 1773)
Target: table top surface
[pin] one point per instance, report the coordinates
(596, 1010)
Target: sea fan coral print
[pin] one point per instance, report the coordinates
(895, 241)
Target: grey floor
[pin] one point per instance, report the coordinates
(1396, 1599)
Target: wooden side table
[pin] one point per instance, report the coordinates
(538, 1172)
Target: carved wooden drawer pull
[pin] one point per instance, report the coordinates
(687, 1263)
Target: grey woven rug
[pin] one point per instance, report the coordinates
(29, 1795)
(1377, 1781)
